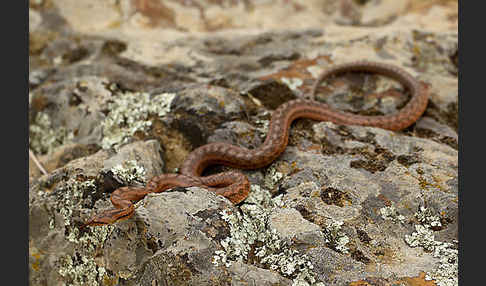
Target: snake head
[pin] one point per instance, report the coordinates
(109, 217)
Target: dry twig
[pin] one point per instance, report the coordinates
(37, 163)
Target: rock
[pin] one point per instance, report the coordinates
(60, 157)
(289, 222)
(179, 229)
(60, 201)
(125, 95)
(399, 177)
(244, 274)
(148, 152)
(429, 128)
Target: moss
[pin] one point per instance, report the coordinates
(129, 113)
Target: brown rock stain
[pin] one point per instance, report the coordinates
(405, 281)
(156, 12)
(176, 146)
(417, 281)
(298, 69)
(387, 202)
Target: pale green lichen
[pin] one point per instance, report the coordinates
(335, 237)
(262, 127)
(79, 269)
(315, 71)
(57, 60)
(446, 273)
(43, 138)
(82, 269)
(422, 237)
(427, 218)
(70, 195)
(383, 84)
(259, 196)
(390, 213)
(293, 83)
(52, 223)
(250, 228)
(129, 113)
(272, 178)
(128, 172)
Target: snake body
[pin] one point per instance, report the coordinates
(234, 185)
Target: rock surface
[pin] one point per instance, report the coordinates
(121, 91)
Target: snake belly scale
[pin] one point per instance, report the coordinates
(235, 185)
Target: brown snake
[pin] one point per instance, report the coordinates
(234, 185)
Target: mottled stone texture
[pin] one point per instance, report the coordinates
(120, 91)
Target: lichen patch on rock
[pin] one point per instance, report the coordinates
(129, 113)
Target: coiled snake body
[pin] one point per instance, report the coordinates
(234, 185)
